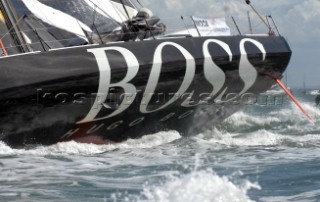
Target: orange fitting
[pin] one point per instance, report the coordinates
(3, 48)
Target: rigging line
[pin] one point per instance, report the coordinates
(129, 20)
(140, 3)
(86, 34)
(13, 27)
(257, 13)
(235, 23)
(41, 41)
(107, 14)
(254, 26)
(93, 20)
(186, 25)
(195, 26)
(94, 26)
(125, 9)
(120, 14)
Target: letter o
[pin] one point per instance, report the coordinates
(186, 114)
(136, 122)
(62, 98)
(166, 118)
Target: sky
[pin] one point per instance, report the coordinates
(297, 20)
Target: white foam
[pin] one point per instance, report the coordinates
(289, 114)
(242, 119)
(257, 138)
(4, 149)
(292, 112)
(285, 120)
(270, 128)
(199, 186)
(274, 128)
(64, 148)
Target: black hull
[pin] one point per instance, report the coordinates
(117, 91)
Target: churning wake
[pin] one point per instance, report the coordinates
(259, 126)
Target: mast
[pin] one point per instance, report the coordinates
(12, 26)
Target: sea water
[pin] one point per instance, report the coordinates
(267, 152)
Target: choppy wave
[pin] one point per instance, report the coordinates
(164, 167)
(287, 126)
(285, 116)
(305, 196)
(259, 138)
(199, 186)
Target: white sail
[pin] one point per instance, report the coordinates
(80, 16)
(56, 18)
(107, 9)
(129, 6)
(48, 24)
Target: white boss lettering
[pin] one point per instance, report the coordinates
(105, 81)
(212, 72)
(214, 75)
(247, 72)
(155, 74)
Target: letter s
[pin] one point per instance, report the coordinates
(214, 75)
(247, 71)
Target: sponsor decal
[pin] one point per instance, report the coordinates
(213, 74)
(212, 26)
